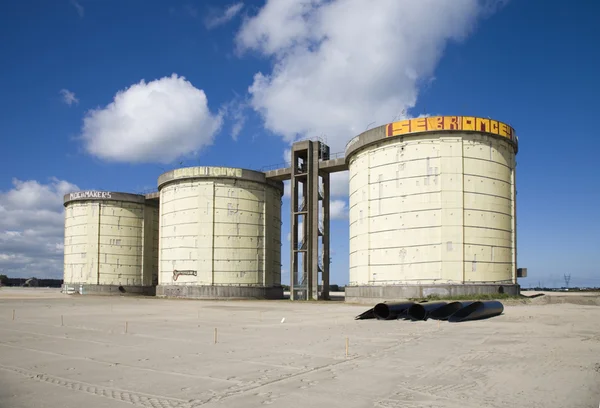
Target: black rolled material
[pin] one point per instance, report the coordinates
(478, 310)
(366, 315)
(421, 311)
(390, 311)
(444, 312)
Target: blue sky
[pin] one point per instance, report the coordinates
(530, 63)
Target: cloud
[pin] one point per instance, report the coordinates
(158, 121)
(235, 113)
(217, 19)
(68, 97)
(338, 209)
(341, 65)
(31, 228)
(78, 7)
(338, 184)
(300, 233)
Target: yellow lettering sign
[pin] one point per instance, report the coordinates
(435, 123)
(452, 122)
(494, 128)
(457, 123)
(402, 127)
(468, 123)
(419, 125)
(505, 130)
(482, 125)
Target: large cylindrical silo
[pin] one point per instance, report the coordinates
(432, 209)
(110, 244)
(220, 234)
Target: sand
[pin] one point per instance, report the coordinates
(534, 355)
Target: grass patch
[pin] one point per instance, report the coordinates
(482, 296)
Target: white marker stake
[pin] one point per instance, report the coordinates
(347, 345)
(62, 322)
(215, 335)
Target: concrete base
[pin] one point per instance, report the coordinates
(218, 292)
(377, 294)
(108, 290)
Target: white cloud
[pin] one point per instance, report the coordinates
(31, 228)
(287, 192)
(239, 120)
(78, 7)
(68, 97)
(287, 155)
(300, 232)
(338, 209)
(338, 184)
(340, 65)
(215, 20)
(234, 112)
(287, 158)
(158, 121)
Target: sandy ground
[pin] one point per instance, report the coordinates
(532, 356)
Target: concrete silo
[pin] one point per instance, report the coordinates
(220, 234)
(111, 243)
(432, 209)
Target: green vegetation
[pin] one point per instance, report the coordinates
(483, 296)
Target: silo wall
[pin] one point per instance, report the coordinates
(220, 234)
(110, 244)
(432, 210)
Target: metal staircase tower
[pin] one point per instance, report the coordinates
(309, 274)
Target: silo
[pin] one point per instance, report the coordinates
(220, 234)
(432, 209)
(111, 243)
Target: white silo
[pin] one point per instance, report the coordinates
(110, 244)
(220, 234)
(432, 209)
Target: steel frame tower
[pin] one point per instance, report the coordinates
(309, 193)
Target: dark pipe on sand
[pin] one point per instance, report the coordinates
(421, 311)
(478, 310)
(389, 311)
(443, 313)
(366, 315)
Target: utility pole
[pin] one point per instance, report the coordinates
(567, 280)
